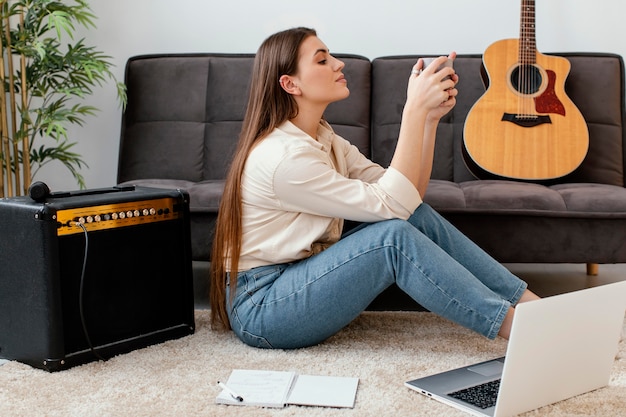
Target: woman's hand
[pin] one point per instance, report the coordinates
(430, 95)
(429, 90)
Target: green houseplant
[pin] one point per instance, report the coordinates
(47, 73)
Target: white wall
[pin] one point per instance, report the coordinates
(371, 28)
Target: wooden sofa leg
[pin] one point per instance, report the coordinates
(592, 269)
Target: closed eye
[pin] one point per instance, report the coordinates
(324, 56)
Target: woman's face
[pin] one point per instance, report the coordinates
(319, 77)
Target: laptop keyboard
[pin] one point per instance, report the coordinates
(482, 396)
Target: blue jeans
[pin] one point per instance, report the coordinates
(303, 303)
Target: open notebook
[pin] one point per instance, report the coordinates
(279, 388)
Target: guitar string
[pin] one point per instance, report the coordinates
(527, 76)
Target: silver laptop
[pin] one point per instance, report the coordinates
(560, 346)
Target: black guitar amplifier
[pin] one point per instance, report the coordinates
(90, 274)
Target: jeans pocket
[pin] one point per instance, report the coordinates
(251, 282)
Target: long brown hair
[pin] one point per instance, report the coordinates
(268, 107)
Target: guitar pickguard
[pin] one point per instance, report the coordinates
(548, 102)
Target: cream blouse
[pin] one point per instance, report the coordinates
(297, 191)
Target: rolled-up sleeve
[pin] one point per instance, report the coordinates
(400, 189)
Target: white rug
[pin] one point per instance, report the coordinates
(178, 378)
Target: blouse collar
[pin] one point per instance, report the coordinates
(324, 138)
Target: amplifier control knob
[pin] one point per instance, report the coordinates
(129, 214)
(97, 218)
(136, 213)
(115, 216)
(152, 211)
(122, 215)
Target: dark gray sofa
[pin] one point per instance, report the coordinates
(184, 114)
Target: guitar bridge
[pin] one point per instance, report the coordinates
(526, 120)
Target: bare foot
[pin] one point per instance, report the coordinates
(507, 323)
(528, 296)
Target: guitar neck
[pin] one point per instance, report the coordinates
(527, 40)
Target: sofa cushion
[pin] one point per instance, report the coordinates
(489, 195)
(204, 196)
(188, 105)
(512, 197)
(601, 199)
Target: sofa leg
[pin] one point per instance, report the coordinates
(592, 269)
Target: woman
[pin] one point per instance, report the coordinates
(282, 276)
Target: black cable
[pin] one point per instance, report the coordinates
(80, 292)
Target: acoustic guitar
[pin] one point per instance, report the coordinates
(524, 126)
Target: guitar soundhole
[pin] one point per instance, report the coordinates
(526, 79)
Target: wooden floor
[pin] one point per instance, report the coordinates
(552, 279)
